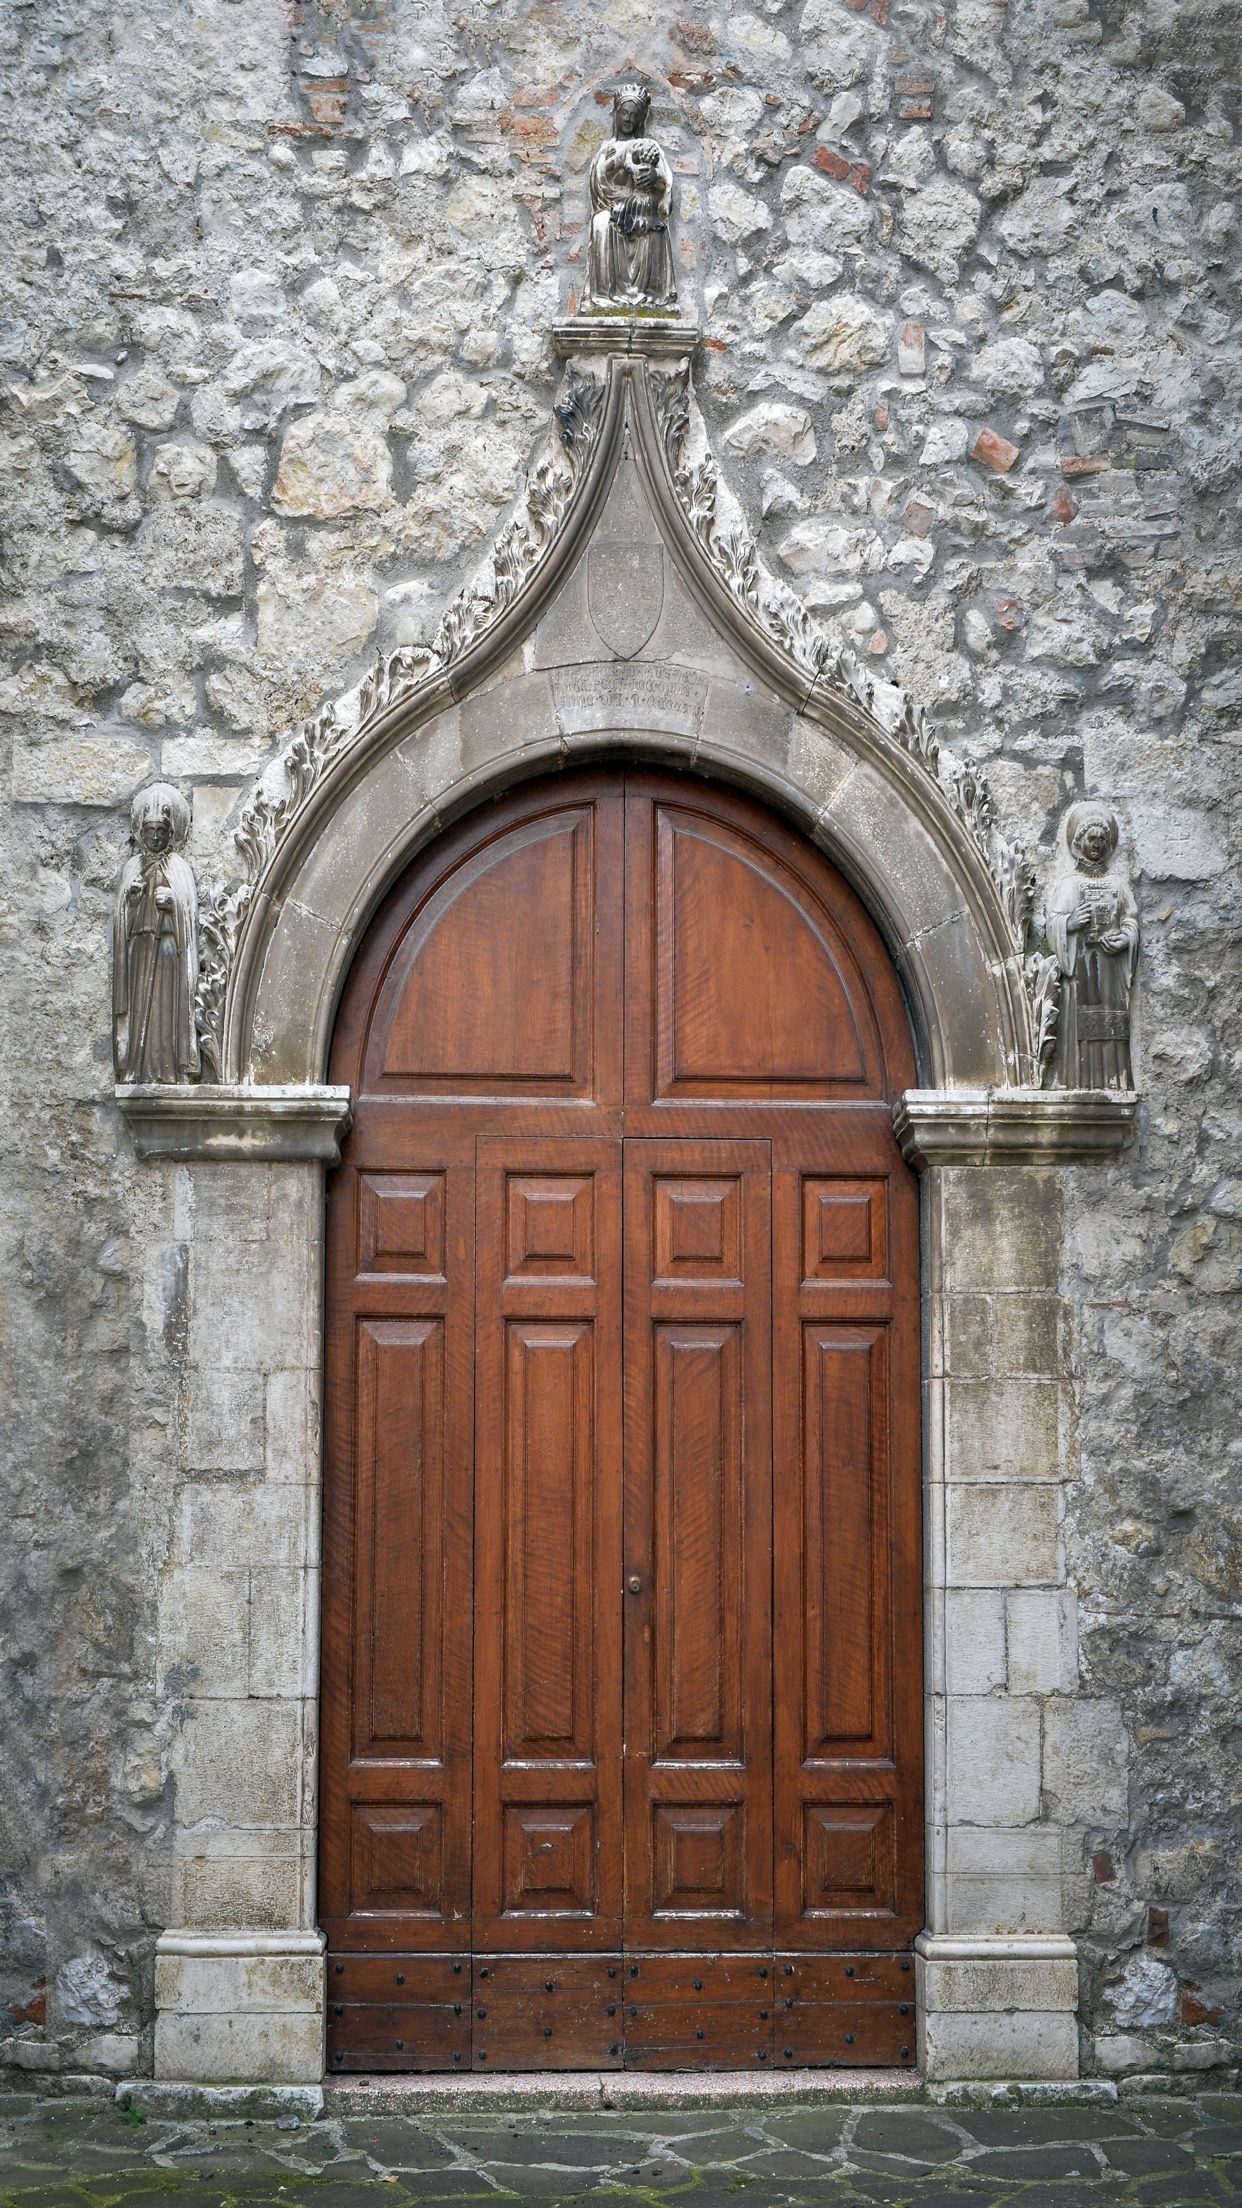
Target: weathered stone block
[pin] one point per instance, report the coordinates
(995, 1987)
(226, 1985)
(116, 2054)
(204, 1628)
(243, 1314)
(974, 1640)
(994, 1760)
(1003, 1880)
(383, 804)
(233, 1529)
(1003, 1430)
(634, 694)
(240, 1763)
(265, 1889)
(1026, 2044)
(297, 1212)
(1119, 2052)
(302, 949)
(433, 754)
(284, 1608)
(271, 2048)
(1002, 1228)
(292, 1436)
(1085, 1760)
(818, 762)
(1042, 1638)
(1028, 1334)
(72, 770)
(969, 1329)
(223, 1202)
(749, 721)
(946, 969)
(1002, 1535)
(224, 1423)
(862, 816)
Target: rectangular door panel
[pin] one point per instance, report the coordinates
(699, 1542)
(398, 2012)
(399, 1686)
(548, 1546)
(698, 2012)
(847, 1600)
(395, 1853)
(547, 2012)
(698, 1681)
(847, 1563)
(548, 1506)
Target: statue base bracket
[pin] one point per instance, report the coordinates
(641, 336)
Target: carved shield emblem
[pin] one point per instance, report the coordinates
(625, 593)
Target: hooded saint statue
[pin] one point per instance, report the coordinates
(1093, 933)
(155, 945)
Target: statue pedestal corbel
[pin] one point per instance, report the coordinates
(641, 335)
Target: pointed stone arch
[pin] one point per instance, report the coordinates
(563, 646)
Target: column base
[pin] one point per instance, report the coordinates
(1002, 2007)
(244, 2007)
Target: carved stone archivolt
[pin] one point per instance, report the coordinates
(282, 792)
(627, 390)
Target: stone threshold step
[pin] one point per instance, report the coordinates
(616, 2089)
(531, 2092)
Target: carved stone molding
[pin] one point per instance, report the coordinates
(222, 1122)
(628, 390)
(1005, 1947)
(729, 544)
(647, 337)
(285, 787)
(1013, 1126)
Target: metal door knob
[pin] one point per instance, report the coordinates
(635, 1584)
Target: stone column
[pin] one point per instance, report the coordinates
(998, 1974)
(239, 1973)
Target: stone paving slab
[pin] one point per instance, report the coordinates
(1151, 2152)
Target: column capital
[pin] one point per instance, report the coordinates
(235, 1121)
(1013, 1126)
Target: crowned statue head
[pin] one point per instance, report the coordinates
(631, 105)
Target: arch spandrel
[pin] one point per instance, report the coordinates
(641, 632)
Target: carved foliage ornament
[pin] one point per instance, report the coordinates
(725, 537)
(285, 787)
(1070, 967)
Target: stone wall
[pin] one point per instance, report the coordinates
(279, 287)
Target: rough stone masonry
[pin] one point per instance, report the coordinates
(279, 281)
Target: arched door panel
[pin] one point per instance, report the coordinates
(621, 1695)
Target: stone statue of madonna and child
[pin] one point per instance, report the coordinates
(631, 255)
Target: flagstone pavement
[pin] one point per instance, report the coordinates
(1137, 2152)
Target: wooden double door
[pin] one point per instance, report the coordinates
(621, 1754)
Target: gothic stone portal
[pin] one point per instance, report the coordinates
(622, 1704)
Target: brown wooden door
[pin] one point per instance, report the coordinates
(621, 1716)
